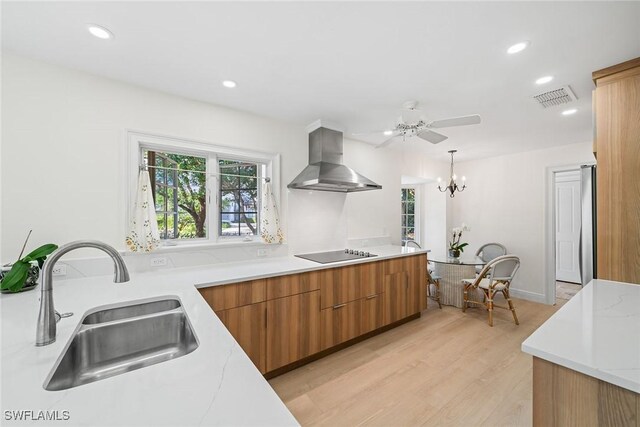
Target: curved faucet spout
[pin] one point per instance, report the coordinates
(46, 331)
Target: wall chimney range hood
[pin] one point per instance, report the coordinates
(325, 171)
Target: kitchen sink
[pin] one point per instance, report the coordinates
(124, 338)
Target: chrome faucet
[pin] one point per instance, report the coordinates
(46, 331)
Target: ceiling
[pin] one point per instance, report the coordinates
(353, 63)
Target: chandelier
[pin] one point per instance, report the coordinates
(453, 185)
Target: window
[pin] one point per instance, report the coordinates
(239, 198)
(179, 186)
(409, 213)
(202, 192)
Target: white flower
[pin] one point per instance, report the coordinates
(465, 227)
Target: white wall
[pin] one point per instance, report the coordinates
(505, 202)
(63, 155)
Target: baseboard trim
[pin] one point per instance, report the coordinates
(529, 296)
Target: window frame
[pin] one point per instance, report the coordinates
(417, 216)
(137, 142)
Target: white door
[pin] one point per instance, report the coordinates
(568, 218)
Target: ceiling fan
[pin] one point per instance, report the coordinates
(415, 125)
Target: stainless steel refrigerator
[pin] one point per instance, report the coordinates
(587, 246)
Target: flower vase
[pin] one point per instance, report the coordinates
(454, 253)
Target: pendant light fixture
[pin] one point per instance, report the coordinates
(453, 185)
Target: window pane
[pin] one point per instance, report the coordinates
(229, 201)
(180, 195)
(238, 198)
(410, 220)
(410, 208)
(411, 233)
(249, 200)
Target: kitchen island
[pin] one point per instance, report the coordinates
(586, 364)
(217, 384)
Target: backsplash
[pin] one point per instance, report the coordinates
(171, 257)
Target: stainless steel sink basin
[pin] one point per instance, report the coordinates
(117, 340)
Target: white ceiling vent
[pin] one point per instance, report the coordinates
(551, 98)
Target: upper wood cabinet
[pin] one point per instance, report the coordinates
(293, 328)
(617, 129)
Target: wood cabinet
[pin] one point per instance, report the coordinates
(405, 287)
(234, 295)
(617, 130)
(372, 313)
(564, 397)
(292, 284)
(281, 320)
(340, 285)
(293, 328)
(340, 323)
(247, 324)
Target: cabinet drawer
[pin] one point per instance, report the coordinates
(339, 285)
(293, 284)
(340, 323)
(235, 295)
(372, 315)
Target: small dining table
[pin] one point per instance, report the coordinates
(451, 272)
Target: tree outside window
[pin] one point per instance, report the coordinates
(408, 205)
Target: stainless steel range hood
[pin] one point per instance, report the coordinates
(325, 171)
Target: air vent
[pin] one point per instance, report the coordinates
(560, 96)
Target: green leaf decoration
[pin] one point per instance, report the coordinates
(15, 278)
(40, 252)
(462, 245)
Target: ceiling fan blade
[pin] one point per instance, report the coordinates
(373, 132)
(456, 121)
(388, 141)
(431, 136)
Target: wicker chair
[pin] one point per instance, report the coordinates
(495, 277)
(435, 281)
(489, 251)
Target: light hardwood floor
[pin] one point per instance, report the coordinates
(446, 368)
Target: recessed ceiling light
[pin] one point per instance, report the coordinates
(543, 80)
(99, 32)
(569, 112)
(229, 83)
(518, 47)
(388, 132)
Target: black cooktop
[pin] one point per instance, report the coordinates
(336, 256)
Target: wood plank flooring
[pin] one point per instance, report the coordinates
(446, 368)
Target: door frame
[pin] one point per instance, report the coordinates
(549, 237)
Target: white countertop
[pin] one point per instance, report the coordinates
(596, 333)
(217, 384)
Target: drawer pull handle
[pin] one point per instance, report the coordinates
(338, 306)
(372, 296)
